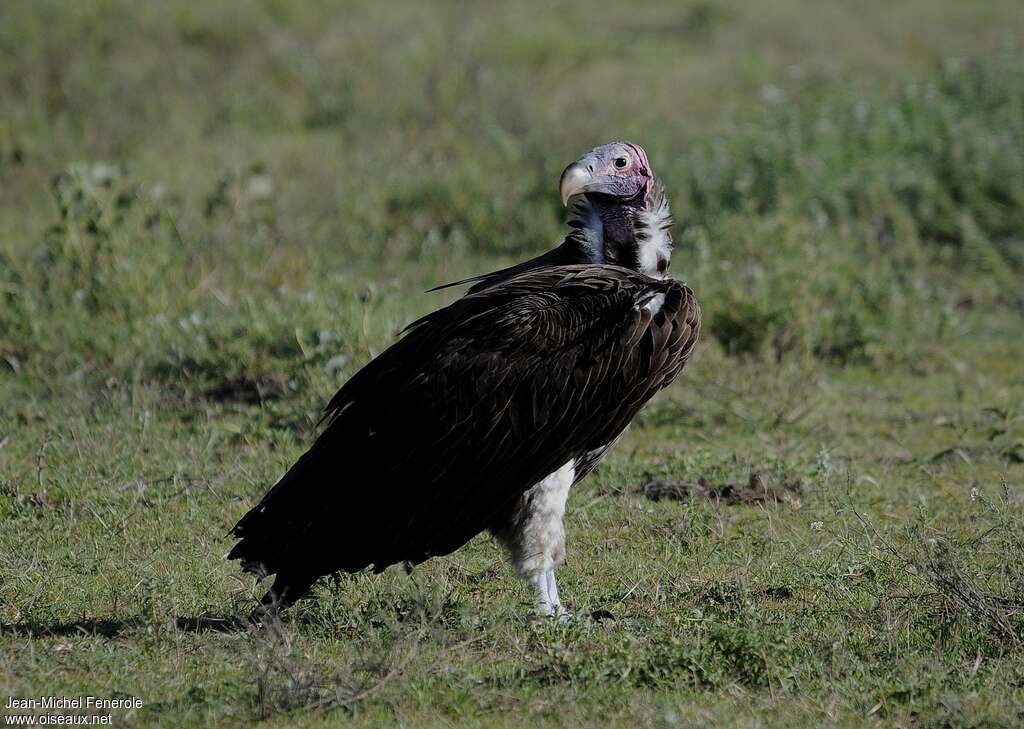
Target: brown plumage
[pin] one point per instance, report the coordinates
(437, 438)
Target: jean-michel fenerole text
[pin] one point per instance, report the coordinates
(73, 702)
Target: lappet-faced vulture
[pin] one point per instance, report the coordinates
(486, 412)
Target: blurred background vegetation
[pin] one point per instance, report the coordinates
(173, 175)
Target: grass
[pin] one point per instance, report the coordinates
(208, 220)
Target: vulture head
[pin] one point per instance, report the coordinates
(618, 214)
(620, 206)
(619, 170)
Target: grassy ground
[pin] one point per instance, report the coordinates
(210, 218)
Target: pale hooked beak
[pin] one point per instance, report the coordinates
(574, 179)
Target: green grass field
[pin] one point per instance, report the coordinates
(212, 214)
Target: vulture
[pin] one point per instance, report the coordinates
(485, 412)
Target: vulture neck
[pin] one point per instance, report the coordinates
(635, 237)
(634, 234)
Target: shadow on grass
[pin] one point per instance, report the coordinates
(114, 627)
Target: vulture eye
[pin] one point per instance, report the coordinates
(621, 162)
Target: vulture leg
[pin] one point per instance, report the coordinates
(558, 612)
(548, 603)
(535, 537)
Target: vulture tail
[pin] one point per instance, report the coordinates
(270, 535)
(278, 536)
(287, 588)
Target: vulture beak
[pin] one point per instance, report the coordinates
(574, 180)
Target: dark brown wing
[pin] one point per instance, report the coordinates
(434, 440)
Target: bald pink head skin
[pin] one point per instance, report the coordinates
(618, 170)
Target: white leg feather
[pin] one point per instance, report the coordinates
(535, 537)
